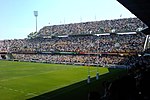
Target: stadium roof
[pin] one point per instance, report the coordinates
(141, 9)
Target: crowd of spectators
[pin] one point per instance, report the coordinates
(84, 44)
(76, 59)
(33, 49)
(133, 86)
(105, 26)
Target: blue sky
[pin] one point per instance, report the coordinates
(17, 19)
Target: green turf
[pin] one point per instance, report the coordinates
(23, 80)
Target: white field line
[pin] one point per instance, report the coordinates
(19, 91)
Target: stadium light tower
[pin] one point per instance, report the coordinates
(36, 14)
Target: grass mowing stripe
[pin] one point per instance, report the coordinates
(36, 78)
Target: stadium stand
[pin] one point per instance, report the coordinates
(83, 43)
(110, 49)
(105, 26)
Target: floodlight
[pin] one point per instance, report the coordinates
(35, 13)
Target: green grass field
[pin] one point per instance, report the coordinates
(24, 80)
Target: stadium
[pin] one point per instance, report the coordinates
(93, 60)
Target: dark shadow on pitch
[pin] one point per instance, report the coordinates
(80, 90)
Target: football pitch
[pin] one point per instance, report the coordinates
(24, 80)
